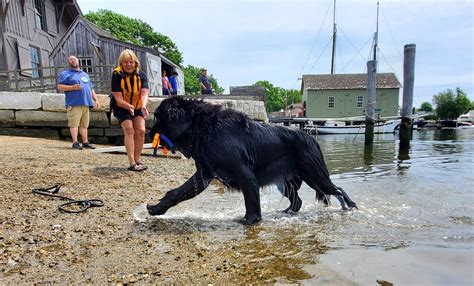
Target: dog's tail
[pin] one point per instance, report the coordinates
(350, 203)
(313, 170)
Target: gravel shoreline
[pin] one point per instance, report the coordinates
(40, 245)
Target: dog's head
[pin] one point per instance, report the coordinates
(172, 118)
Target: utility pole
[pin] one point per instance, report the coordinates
(407, 105)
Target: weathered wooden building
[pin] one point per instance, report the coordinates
(345, 95)
(94, 46)
(29, 31)
(37, 36)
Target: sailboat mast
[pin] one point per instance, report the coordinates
(376, 38)
(333, 62)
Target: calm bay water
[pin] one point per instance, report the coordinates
(414, 226)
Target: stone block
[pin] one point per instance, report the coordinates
(114, 121)
(66, 132)
(98, 140)
(20, 100)
(150, 121)
(98, 119)
(153, 103)
(7, 118)
(40, 118)
(113, 131)
(30, 132)
(104, 102)
(53, 102)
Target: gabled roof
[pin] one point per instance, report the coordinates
(347, 81)
(108, 38)
(80, 19)
(71, 6)
(98, 30)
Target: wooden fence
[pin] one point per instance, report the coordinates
(44, 79)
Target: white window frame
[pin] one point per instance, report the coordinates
(86, 65)
(360, 102)
(331, 100)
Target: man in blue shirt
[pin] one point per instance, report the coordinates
(80, 98)
(174, 82)
(205, 83)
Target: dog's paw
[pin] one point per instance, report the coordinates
(156, 209)
(250, 220)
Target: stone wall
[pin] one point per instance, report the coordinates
(43, 115)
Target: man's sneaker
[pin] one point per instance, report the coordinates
(87, 145)
(77, 146)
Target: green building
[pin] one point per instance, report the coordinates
(345, 95)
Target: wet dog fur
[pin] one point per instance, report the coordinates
(243, 154)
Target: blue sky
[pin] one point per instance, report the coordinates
(241, 42)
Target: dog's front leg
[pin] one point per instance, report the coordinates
(191, 188)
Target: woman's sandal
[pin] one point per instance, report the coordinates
(142, 166)
(135, 168)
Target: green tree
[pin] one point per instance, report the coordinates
(426, 106)
(450, 105)
(136, 32)
(278, 98)
(191, 81)
(294, 96)
(275, 95)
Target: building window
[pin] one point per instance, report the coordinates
(35, 61)
(86, 64)
(360, 101)
(331, 101)
(39, 15)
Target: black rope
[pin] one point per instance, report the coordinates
(66, 207)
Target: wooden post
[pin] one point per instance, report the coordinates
(407, 105)
(370, 106)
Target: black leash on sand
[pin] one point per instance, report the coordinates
(73, 206)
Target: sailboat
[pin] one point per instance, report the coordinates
(351, 125)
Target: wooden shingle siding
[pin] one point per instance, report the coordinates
(348, 81)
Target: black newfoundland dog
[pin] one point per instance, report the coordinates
(243, 154)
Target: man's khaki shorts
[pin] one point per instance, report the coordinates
(78, 116)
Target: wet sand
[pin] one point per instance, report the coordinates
(40, 245)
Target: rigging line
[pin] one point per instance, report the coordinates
(358, 52)
(352, 43)
(314, 43)
(392, 37)
(330, 40)
(388, 64)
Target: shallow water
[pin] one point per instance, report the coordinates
(414, 224)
